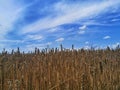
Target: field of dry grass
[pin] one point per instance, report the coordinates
(62, 69)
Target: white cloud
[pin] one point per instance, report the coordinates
(115, 45)
(34, 37)
(54, 29)
(86, 42)
(7, 16)
(49, 43)
(87, 47)
(2, 45)
(81, 32)
(59, 40)
(93, 22)
(7, 44)
(31, 47)
(106, 37)
(69, 13)
(11, 41)
(10, 12)
(83, 27)
(115, 20)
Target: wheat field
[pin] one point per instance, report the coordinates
(60, 69)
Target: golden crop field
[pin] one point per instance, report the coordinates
(64, 69)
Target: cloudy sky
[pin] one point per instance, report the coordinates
(38, 23)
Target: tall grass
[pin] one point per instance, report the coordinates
(60, 69)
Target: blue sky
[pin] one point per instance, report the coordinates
(38, 23)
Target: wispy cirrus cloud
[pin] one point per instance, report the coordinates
(59, 40)
(115, 20)
(47, 22)
(82, 29)
(34, 37)
(67, 14)
(10, 13)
